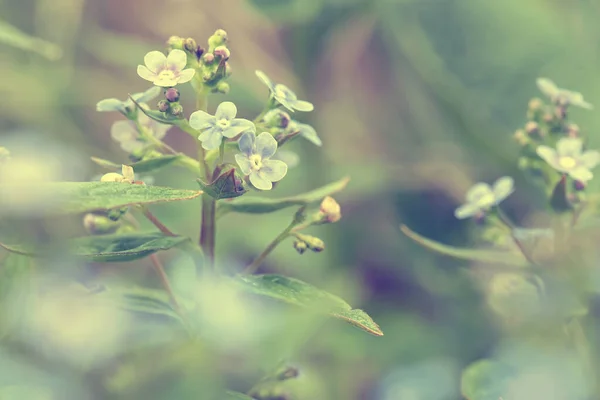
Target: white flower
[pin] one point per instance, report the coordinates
(255, 160)
(127, 135)
(166, 71)
(568, 158)
(284, 95)
(126, 106)
(223, 124)
(482, 197)
(557, 94)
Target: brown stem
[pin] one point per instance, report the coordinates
(161, 227)
(207, 229)
(164, 280)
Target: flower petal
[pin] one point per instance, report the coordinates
(176, 60)
(303, 106)
(226, 110)
(289, 157)
(244, 163)
(266, 145)
(186, 75)
(109, 105)
(211, 139)
(260, 182)
(466, 211)
(581, 173)
(265, 79)
(478, 191)
(246, 143)
(570, 147)
(547, 87)
(549, 155)
(123, 131)
(590, 159)
(309, 133)
(201, 120)
(503, 188)
(239, 125)
(146, 74)
(273, 170)
(154, 60)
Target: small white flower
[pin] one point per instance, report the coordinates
(126, 106)
(223, 124)
(284, 95)
(557, 94)
(166, 71)
(481, 197)
(568, 158)
(255, 160)
(127, 135)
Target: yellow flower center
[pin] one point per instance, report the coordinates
(567, 162)
(256, 161)
(223, 123)
(486, 200)
(166, 75)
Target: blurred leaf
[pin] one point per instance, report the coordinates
(19, 392)
(484, 256)
(486, 380)
(80, 197)
(236, 396)
(141, 300)
(296, 292)
(291, 11)
(15, 291)
(150, 165)
(106, 248)
(258, 205)
(12, 36)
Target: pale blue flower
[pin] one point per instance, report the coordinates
(481, 197)
(124, 107)
(166, 71)
(255, 160)
(569, 158)
(222, 125)
(127, 135)
(557, 94)
(284, 95)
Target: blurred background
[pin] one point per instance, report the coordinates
(415, 100)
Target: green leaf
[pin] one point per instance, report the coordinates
(104, 248)
(140, 300)
(484, 256)
(298, 293)
(150, 165)
(80, 197)
(16, 292)
(14, 37)
(486, 380)
(230, 395)
(258, 205)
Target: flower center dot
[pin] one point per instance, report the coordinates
(486, 200)
(567, 162)
(223, 123)
(166, 74)
(256, 162)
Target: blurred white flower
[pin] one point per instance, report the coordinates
(481, 197)
(569, 158)
(124, 107)
(284, 95)
(127, 135)
(557, 94)
(166, 71)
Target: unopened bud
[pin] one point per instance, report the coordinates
(521, 137)
(573, 130)
(535, 104)
(560, 112)
(300, 246)
(209, 76)
(190, 45)
(532, 128)
(312, 242)
(98, 224)
(222, 52)
(175, 42)
(117, 213)
(176, 109)
(330, 210)
(172, 95)
(208, 58)
(163, 106)
(548, 118)
(579, 185)
(199, 52)
(277, 118)
(112, 177)
(218, 38)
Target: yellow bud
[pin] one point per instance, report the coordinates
(128, 174)
(112, 177)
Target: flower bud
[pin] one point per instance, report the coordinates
(163, 106)
(117, 213)
(222, 52)
(111, 177)
(520, 137)
(573, 130)
(579, 185)
(532, 128)
(330, 210)
(199, 52)
(176, 110)
(313, 243)
(277, 118)
(175, 42)
(548, 118)
(190, 45)
(560, 112)
(218, 38)
(172, 95)
(535, 105)
(98, 224)
(208, 58)
(300, 246)
(222, 87)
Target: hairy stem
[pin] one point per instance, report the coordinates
(161, 227)
(253, 267)
(164, 280)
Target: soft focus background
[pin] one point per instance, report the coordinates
(415, 100)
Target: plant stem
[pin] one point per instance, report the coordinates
(222, 152)
(511, 227)
(164, 280)
(161, 227)
(253, 267)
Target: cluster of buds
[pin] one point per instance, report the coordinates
(170, 104)
(329, 212)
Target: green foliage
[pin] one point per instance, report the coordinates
(486, 380)
(107, 248)
(236, 396)
(298, 293)
(143, 166)
(13, 36)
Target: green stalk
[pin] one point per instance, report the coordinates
(253, 267)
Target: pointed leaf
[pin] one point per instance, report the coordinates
(486, 380)
(104, 248)
(484, 256)
(140, 300)
(150, 165)
(80, 197)
(258, 205)
(298, 293)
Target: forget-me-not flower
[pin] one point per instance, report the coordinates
(221, 125)
(126, 106)
(555, 93)
(481, 197)
(284, 95)
(255, 160)
(166, 71)
(569, 158)
(127, 135)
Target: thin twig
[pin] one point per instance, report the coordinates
(161, 227)
(511, 227)
(253, 267)
(164, 280)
